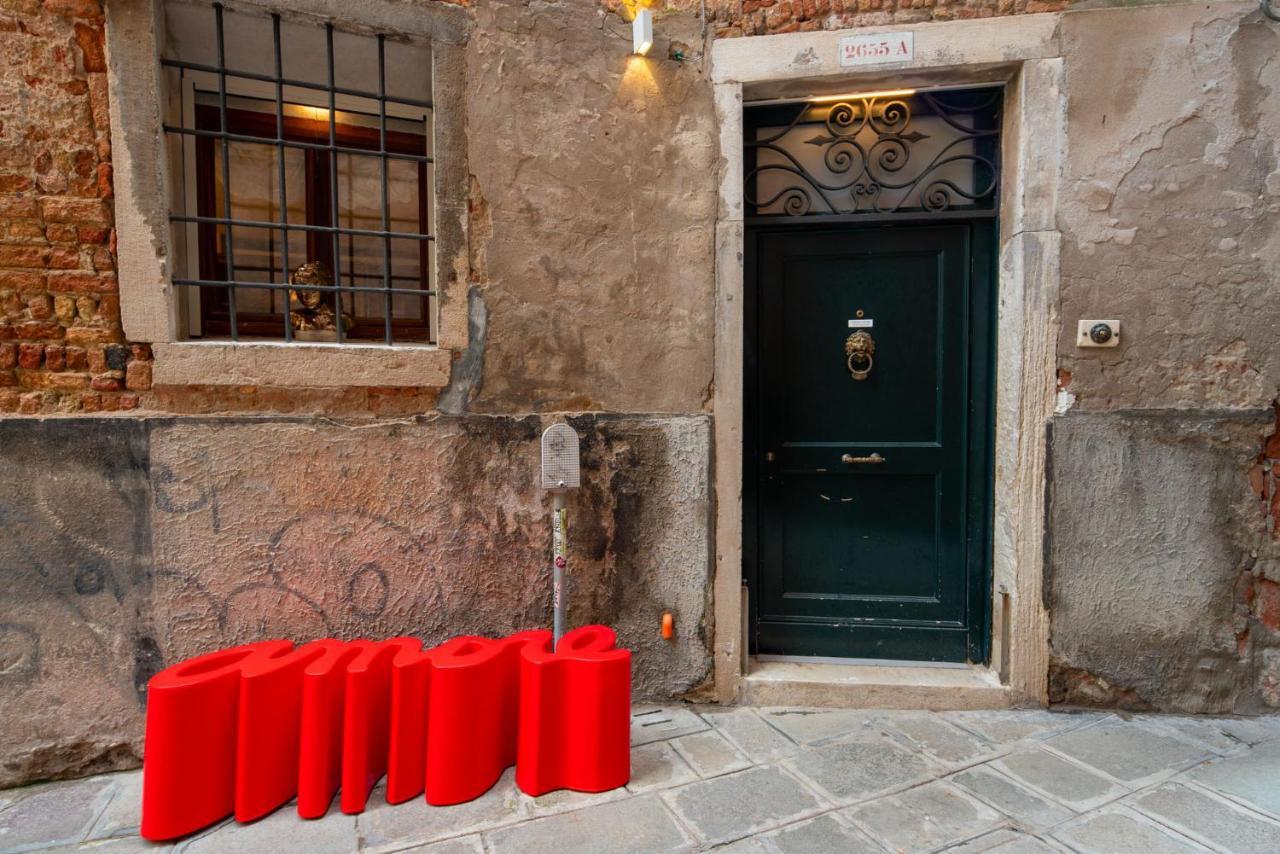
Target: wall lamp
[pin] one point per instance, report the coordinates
(642, 31)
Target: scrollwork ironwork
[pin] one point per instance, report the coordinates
(922, 153)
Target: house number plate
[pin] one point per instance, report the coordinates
(878, 48)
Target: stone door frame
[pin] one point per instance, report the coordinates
(1024, 53)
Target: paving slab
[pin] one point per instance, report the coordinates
(1204, 731)
(1005, 841)
(1029, 810)
(119, 845)
(565, 800)
(809, 726)
(1253, 777)
(123, 815)
(934, 737)
(710, 754)
(1116, 831)
(281, 832)
(824, 833)
(54, 815)
(640, 825)
(862, 768)
(1251, 730)
(384, 827)
(925, 818)
(1132, 751)
(751, 734)
(656, 723)
(1007, 726)
(658, 766)
(1059, 779)
(465, 845)
(1211, 820)
(726, 808)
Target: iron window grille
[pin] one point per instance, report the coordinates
(303, 129)
(875, 156)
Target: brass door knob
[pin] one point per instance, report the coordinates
(850, 459)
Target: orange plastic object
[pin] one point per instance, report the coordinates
(668, 626)
(246, 729)
(575, 714)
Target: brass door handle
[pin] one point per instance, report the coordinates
(858, 350)
(850, 459)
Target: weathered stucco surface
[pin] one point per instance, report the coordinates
(1154, 542)
(1170, 215)
(1171, 206)
(75, 572)
(211, 532)
(593, 198)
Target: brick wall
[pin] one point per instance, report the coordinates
(729, 18)
(61, 346)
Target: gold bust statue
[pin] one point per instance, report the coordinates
(311, 317)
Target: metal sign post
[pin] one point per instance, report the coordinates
(560, 473)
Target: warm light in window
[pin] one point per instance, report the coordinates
(889, 93)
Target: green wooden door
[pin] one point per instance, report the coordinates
(871, 497)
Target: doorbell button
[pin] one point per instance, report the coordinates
(1098, 333)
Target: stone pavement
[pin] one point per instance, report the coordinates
(751, 781)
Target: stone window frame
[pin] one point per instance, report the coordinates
(148, 302)
(1023, 52)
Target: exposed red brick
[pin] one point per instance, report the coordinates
(128, 401)
(38, 329)
(74, 8)
(8, 378)
(14, 255)
(138, 376)
(140, 351)
(55, 357)
(21, 280)
(8, 355)
(79, 282)
(29, 356)
(74, 210)
(30, 403)
(93, 235)
(106, 383)
(1266, 603)
(87, 335)
(77, 359)
(14, 183)
(90, 41)
(64, 258)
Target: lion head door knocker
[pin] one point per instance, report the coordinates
(859, 348)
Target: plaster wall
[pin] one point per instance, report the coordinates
(207, 533)
(1170, 221)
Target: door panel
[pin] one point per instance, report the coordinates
(870, 557)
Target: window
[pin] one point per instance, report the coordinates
(302, 179)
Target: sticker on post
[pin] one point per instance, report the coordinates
(861, 323)
(878, 48)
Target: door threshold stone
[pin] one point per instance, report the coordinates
(824, 684)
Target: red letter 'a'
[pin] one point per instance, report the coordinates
(188, 773)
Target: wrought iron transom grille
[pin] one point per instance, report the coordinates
(879, 155)
(324, 175)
